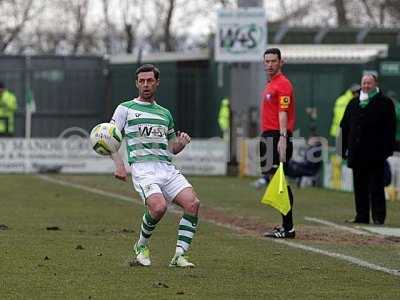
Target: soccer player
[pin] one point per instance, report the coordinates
(151, 138)
(277, 124)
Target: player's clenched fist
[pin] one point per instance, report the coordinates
(183, 138)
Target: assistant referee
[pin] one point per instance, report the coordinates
(277, 124)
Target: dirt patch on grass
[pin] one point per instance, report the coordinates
(321, 234)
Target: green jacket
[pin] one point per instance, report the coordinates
(8, 106)
(338, 111)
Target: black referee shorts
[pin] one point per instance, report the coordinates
(269, 156)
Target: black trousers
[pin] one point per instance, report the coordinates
(369, 193)
(269, 163)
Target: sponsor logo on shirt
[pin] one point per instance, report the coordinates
(152, 131)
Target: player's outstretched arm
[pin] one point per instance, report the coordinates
(120, 171)
(178, 144)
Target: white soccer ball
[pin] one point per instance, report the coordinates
(105, 138)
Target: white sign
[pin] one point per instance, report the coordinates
(66, 155)
(74, 155)
(241, 35)
(203, 157)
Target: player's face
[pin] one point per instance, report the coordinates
(147, 85)
(368, 83)
(272, 64)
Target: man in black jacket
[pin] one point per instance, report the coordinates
(368, 132)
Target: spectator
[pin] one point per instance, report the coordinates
(311, 164)
(224, 118)
(368, 131)
(340, 107)
(8, 106)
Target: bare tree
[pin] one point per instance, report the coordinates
(336, 13)
(159, 34)
(15, 16)
(78, 10)
(132, 12)
(292, 13)
(107, 24)
(340, 13)
(369, 12)
(393, 8)
(167, 37)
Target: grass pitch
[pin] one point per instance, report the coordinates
(86, 258)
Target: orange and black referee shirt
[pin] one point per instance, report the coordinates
(277, 96)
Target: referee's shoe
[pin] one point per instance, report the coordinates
(280, 233)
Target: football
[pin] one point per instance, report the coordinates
(105, 138)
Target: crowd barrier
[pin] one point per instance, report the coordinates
(335, 174)
(74, 155)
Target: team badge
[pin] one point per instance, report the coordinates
(284, 101)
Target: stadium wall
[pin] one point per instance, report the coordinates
(69, 91)
(82, 91)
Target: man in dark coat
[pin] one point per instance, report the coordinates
(368, 132)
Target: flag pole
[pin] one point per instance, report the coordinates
(28, 124)
(28, 110)
(28, 113)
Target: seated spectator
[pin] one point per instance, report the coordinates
(309, 166)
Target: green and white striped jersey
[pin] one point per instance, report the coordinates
(147, 128)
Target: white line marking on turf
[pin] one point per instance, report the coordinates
(351, 259)
(334, 225)
(89, 189)
(99, 192)
(347, 258)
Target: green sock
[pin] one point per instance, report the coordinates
(187, 228)
(147, 228)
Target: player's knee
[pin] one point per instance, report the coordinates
(157, 210)
(192, 205)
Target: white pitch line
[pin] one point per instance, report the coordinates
(350, 259)
(89, 189)
(334, 225)
(114, 196)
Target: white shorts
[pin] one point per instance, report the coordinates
(152, 177)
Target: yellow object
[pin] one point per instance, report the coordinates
(8, 106)
(276, 194)
(338, 111)
(336, 172)
(224, 115)
(391, 193)
(243, 157)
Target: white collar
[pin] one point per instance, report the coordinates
(138, 101)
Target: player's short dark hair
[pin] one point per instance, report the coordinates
(148, 68)
(273, 51)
